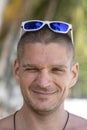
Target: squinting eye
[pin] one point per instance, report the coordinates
(57, 70)
(32, 69)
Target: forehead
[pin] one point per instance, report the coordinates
(45, 54)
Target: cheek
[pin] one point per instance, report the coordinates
(62, 81)
(25, 83)
(27, 79)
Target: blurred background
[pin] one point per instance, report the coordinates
(12, 13)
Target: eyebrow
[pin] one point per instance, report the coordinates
(60, 66)
(33, 65)
(28, 65)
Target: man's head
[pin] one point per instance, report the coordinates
(45, 36)
(44, 69)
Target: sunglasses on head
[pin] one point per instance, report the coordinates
(55, 26)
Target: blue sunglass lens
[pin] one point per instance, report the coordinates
(60, 27)
(32, 25)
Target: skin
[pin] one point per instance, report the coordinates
(45, 74)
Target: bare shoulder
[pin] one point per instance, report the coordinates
(7, 123)
(77, 122)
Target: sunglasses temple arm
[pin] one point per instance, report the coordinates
(72, 36)
(20, 32)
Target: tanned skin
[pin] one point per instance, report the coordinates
(45, 75)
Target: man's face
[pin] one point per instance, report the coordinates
(45, 74)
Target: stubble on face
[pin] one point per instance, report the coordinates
(36, 96)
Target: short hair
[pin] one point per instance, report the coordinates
(44, 36)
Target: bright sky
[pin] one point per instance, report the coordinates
(77, 106)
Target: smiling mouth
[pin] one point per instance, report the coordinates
(44, 93)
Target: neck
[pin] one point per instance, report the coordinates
(49, 121)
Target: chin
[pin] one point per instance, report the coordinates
(42, 111)
(44, 108)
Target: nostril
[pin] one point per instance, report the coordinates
(44, 79)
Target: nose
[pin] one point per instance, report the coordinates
(44, 79)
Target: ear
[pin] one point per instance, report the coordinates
(16, 70)
(74, 74)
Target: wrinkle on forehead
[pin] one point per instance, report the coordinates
(43, 54)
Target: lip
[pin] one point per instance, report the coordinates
(44, 93)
